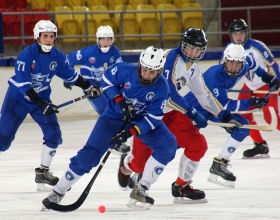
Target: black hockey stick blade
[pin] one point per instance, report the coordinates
(83, 196)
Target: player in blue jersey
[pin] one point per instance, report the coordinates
(143, 89)
(257, 50)
(93, 61)
(29, 93)
(220, 79)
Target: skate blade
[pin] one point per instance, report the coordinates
(42, 188)
(182, 200)
(134, 204)
(43, 208)
(220, 181)
(261, 156)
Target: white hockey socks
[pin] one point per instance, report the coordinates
(66, 181)
(152, 170)
(47, 156)
(187, 168)
(229, 148)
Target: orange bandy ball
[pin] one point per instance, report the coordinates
(102, 209)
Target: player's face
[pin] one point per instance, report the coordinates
(192, 51)
(147, 74)
(105, 42)
(238, 37)
(233, 66)
(47, 38)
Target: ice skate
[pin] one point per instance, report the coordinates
(123, 173)
(220, 174)
(42, 177)
(260, 151)
(123, 149)
(54, 197)
(187, 195)
(134, 179)
(139, 198)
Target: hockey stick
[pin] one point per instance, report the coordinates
(255, 127)
(83, 196)
(274, 119)
(246, 111)
(74, 100)
(254, 92)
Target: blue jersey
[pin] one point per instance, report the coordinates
(147, 101)
(36, 70)
(219, 83)
(94, 62)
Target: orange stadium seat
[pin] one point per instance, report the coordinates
(155, 3)
(39, 4)
(192, 19)
(113, 3)
(179, 3)
(148, 22)
(62, 17)
(129, 22)
(72, 3)
(135, 3)
(91, 3)
(55, 3)
(70, 27)
(171, 22)
(104, 18)
(92, 27)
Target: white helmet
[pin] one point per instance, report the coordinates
(234, 52)
(153, 59)
(44, 26)
(104, 31)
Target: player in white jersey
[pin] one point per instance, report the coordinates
(180, 69)
(257, 50)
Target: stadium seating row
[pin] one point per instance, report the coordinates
(110, 4)
(70, 22)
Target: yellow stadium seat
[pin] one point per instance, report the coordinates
(55, 3)
(81, 17)
(91, 3)
(135, 3)
(104, 18)
(155, 3)
(62, 17)
(92, 27)
(148, 22)
(129, 22)
(39, 4)
(72, 3)
(70, 27)
(179, 3)
(192, 19)
(170, 21)
(113, 3)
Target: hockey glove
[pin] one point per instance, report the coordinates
(93, 91)
(226, 117)
(122, 137)
(258, 102)
(45, 107)
(67, 85)
(200, 121)
(126, 110)
(271, 81)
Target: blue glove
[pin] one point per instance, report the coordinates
(226, 117)
(198, 118)
(67, 85)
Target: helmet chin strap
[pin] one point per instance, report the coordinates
(44, 48)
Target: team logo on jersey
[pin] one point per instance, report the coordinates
(112, 59)
(53, 65)
(33, 64)
(158, 170)
(69, 176)
(181, 82)
(150, 96)
(92, 60)
(126, 85)
(231, 149)
(52, 153)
